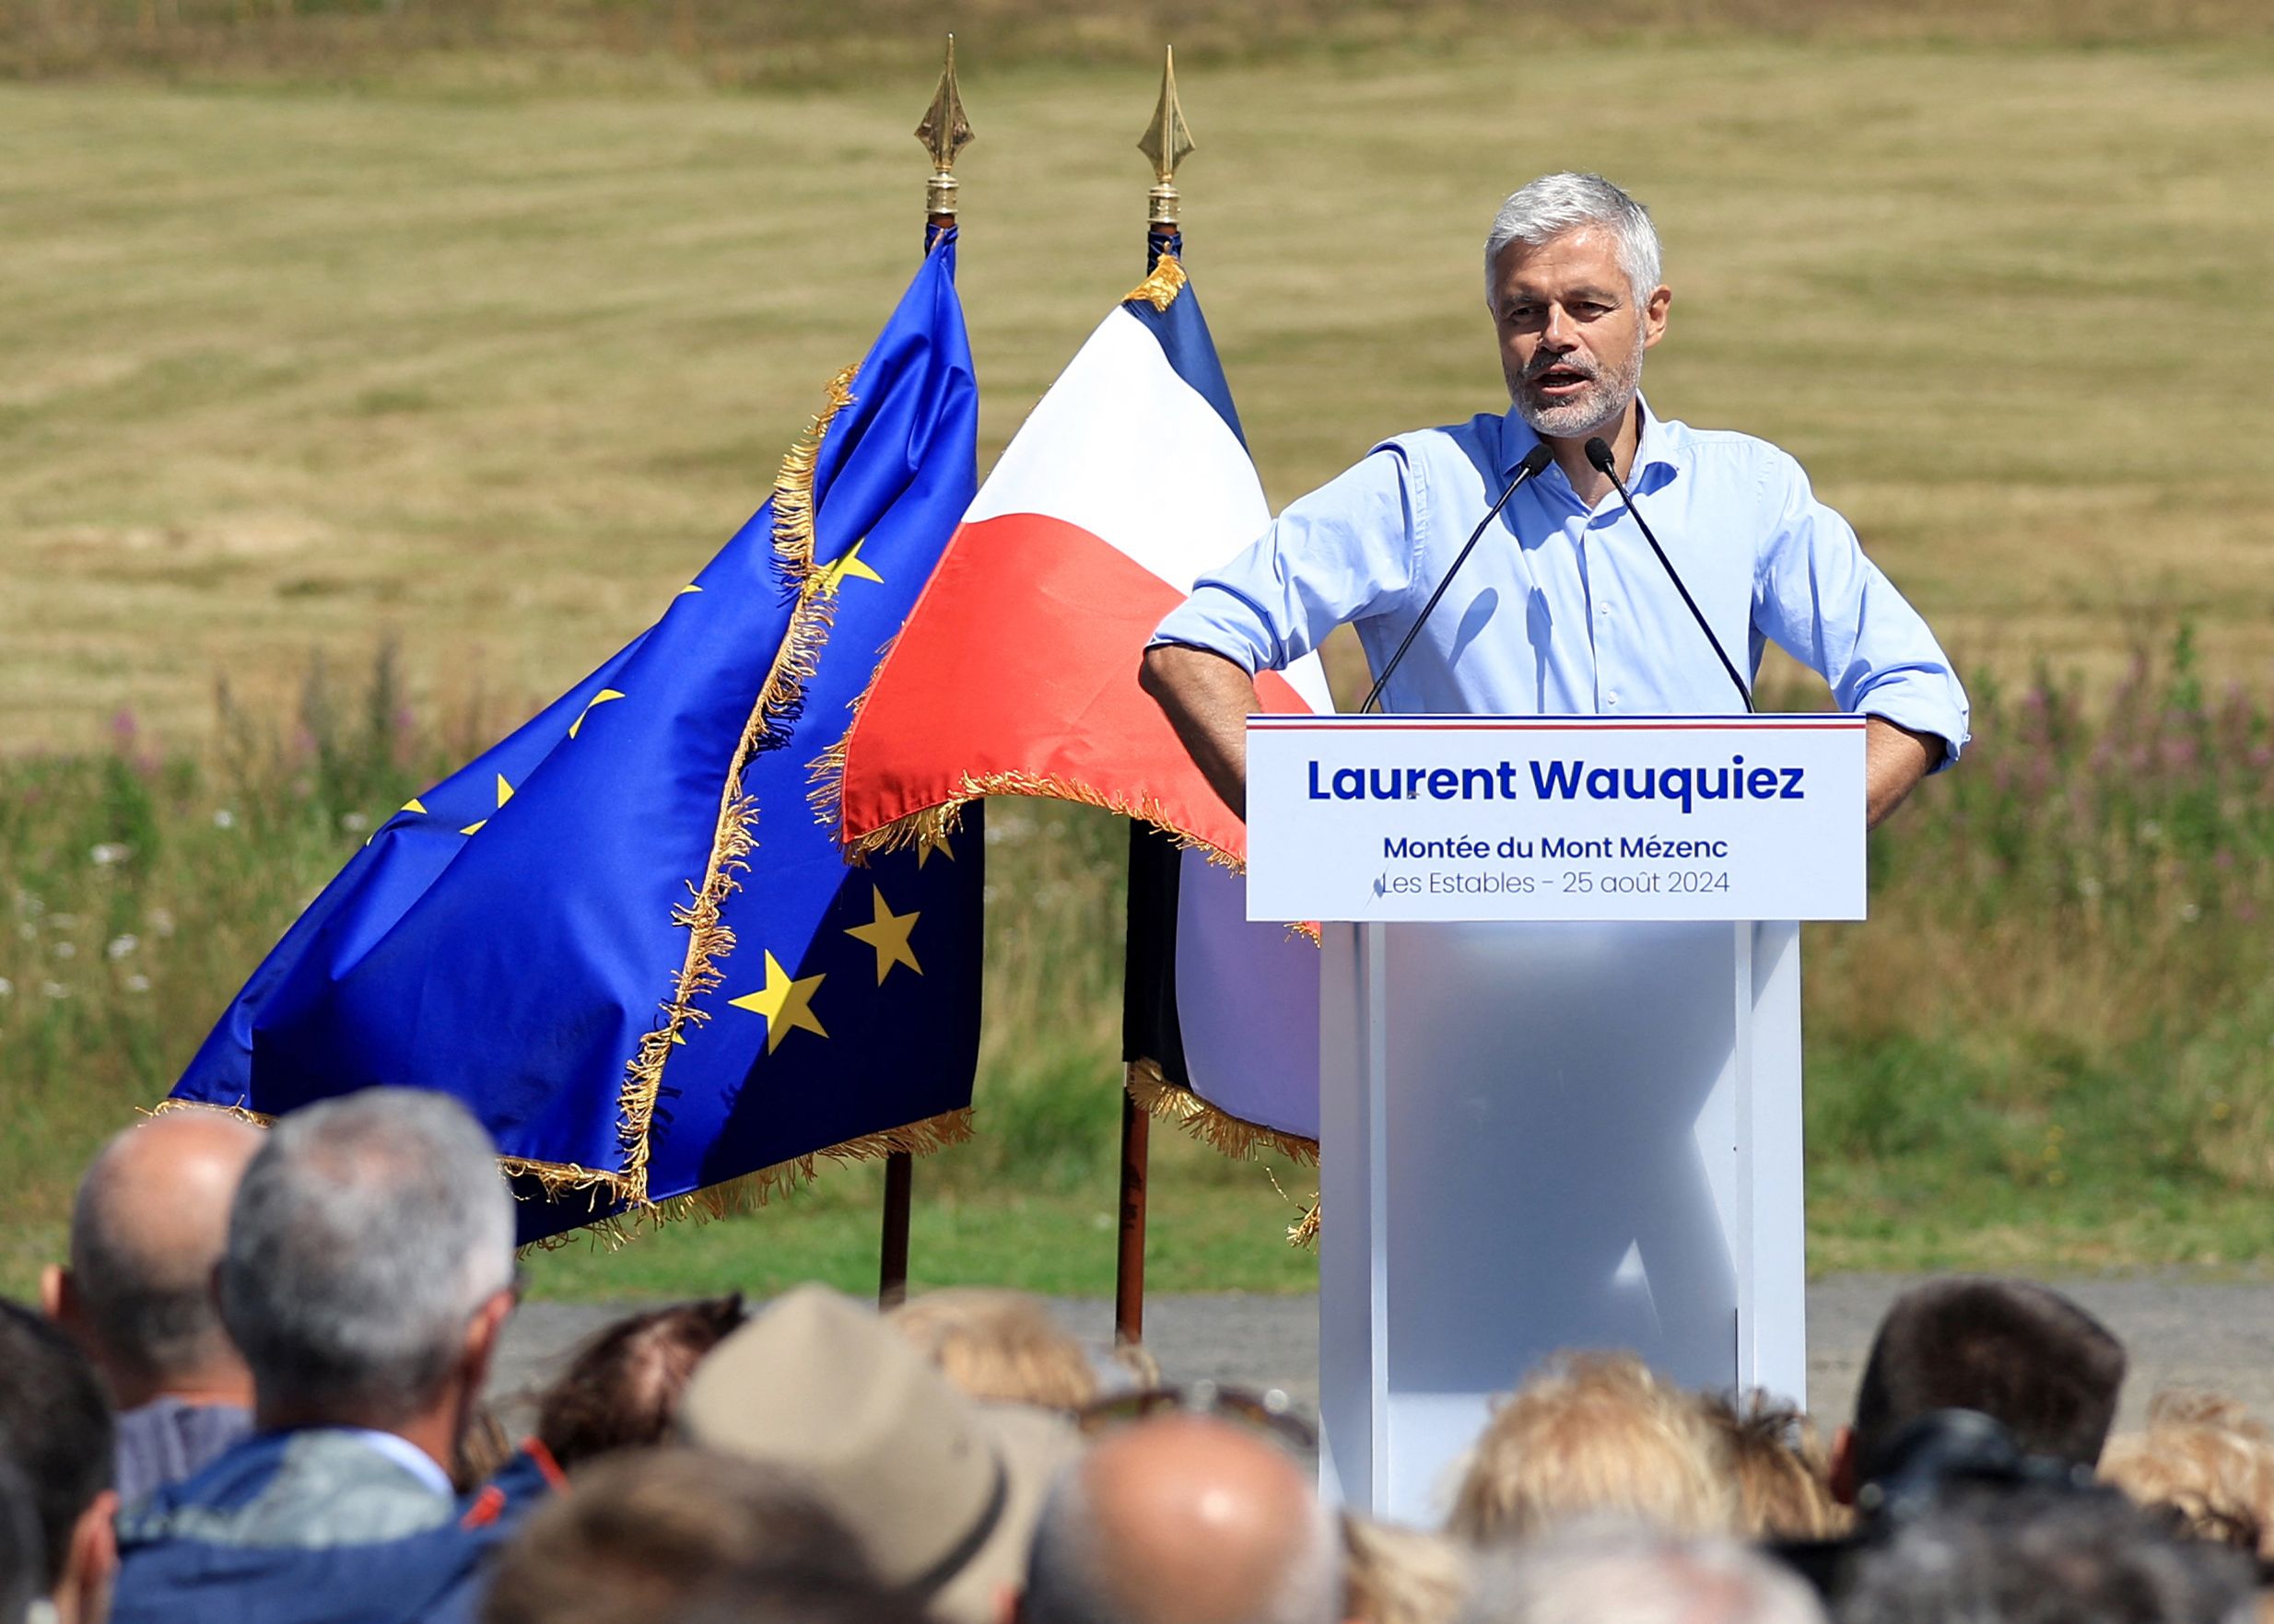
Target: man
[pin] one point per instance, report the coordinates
(1611, 1573)
(1568, 608)
(1183, 1520)
(55, 1429)
(654, 1533)
(941, 1492)
(146, 1230)
(367, 1273)
(2024, 1356)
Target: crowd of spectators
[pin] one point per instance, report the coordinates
(259, 1394)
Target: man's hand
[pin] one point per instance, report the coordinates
(1207, 699)
(1894, 760)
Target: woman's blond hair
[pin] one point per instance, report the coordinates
(1398, 1575)
(1596, 1434)
(998, 1345)
(1782, 1486)
(2207, 1459)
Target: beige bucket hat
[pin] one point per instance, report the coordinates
(942, 1491)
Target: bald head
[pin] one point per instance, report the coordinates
(149, 1223)
(1183, 1520)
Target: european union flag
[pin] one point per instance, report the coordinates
(620, 936)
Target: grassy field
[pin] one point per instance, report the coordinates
(475, 347)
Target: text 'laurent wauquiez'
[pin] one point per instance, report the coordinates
(1560, 781)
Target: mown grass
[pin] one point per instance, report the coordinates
(491, 371)
(2051, 1047)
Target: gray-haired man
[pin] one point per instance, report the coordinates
(368, 1272)
(1566, 610)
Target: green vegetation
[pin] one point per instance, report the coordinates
(471, 329)
(2052, 1046)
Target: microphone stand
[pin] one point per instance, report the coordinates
(1538, 458)
(1599, 453)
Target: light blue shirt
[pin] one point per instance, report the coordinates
(1562, 609)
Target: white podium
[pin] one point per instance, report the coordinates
(1542, 1128)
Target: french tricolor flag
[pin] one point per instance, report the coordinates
(1016, 674)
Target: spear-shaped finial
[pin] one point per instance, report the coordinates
(1167, 143)
(944, 132)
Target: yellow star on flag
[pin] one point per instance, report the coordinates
(888, 934)
(833, 573)
(784, 1002)
(598, 699)
(930, 844)
(505, 793)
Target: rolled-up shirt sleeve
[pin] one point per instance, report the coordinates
(1819, 598)
(1344, 552)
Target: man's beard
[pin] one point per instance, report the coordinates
(1611, 393)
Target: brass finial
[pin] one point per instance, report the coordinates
(944, 132)
(1167, 143)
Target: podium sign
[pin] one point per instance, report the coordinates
(1559, 1052)
(1555, 818)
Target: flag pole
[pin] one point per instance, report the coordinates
(944, 132)
(1166, 144)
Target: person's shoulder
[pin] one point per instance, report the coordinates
(1726, 447)
(1735, 466)
(1464, 440)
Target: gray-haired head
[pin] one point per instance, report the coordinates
(1618, 1574)
(365, 1234)
(1536, 213)
(1183, 1520)
(2022, 1555)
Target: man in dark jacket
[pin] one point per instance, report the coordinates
(368, 1272)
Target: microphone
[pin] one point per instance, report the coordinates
(1538, 458)
(1599, 453)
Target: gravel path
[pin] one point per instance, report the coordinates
(2180, 1332)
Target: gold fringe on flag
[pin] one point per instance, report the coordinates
(1235, 1136)
(753, 1190)
(735, 838)
(1161, 289)
(1304, 1230)
(933, 821)
(558, 1180)
(746, 1194)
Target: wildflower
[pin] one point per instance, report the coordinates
(54, 989)
(355, 823)
(223, 818)
(137, 984)
(7, 987)
(65, 921)
(161, 921)
(66, 950)
(109, 852)
(118, 947)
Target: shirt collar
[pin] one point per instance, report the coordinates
(408, 1455)
(1656, 452)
